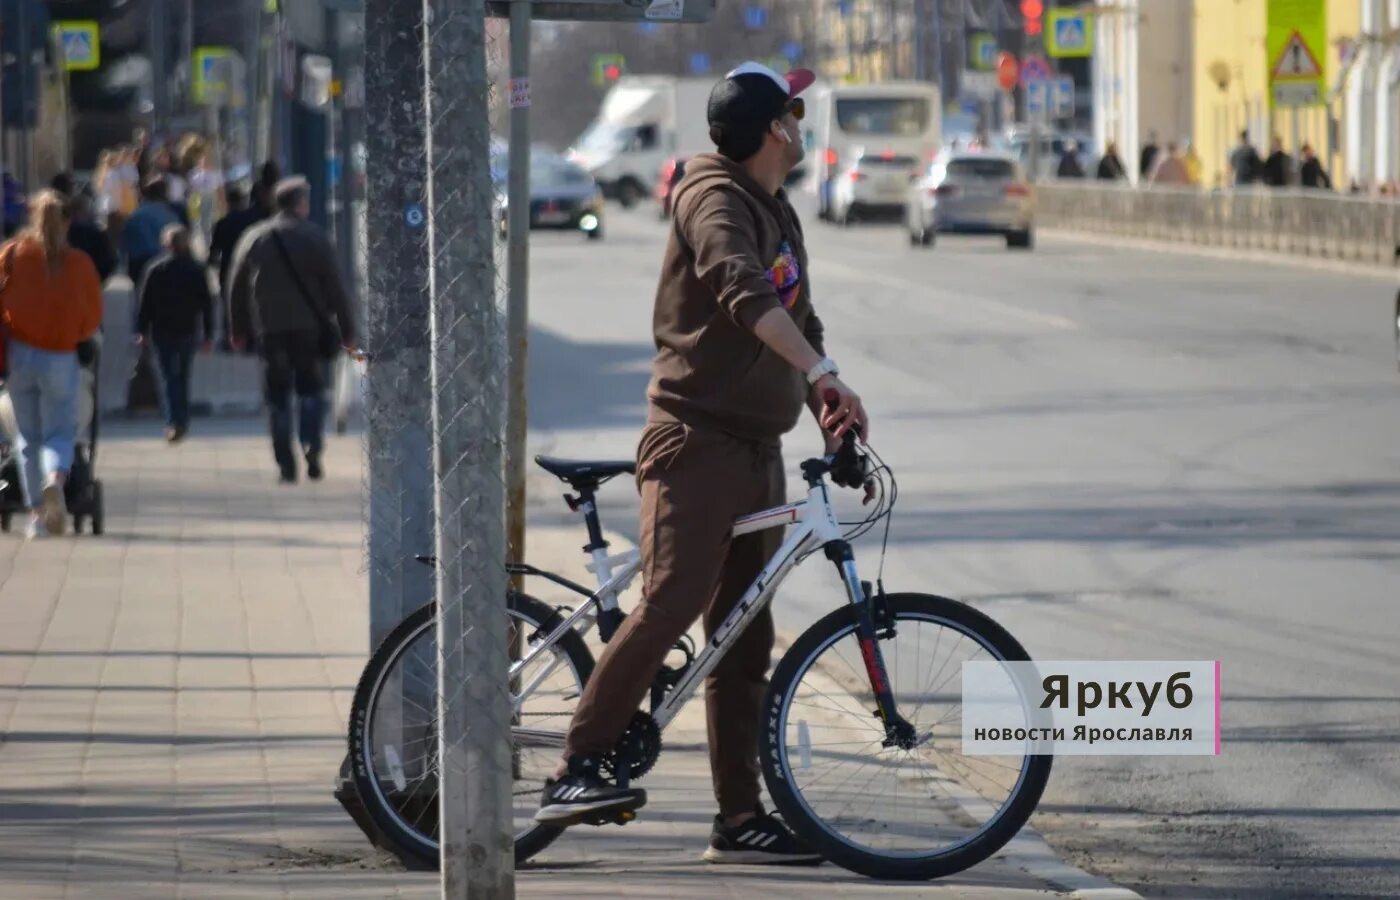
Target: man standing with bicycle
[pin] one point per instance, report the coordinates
(739, 352)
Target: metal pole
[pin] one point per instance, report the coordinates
(919, 68)
(187, 53)
(518, 276)
(160, 81)
(26, 59)
(398, 411)
(938, 48)
(475, 811)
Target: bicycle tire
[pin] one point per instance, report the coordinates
(797, 813)
(406, 840)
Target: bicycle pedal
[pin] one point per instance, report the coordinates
(621, 817)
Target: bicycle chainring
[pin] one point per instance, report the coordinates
(642, 744)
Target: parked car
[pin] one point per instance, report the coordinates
(871, 185)
(971, 193)
(562, 195)
(672, 171)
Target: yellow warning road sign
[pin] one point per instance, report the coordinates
(1296, 42)
(1296, 62)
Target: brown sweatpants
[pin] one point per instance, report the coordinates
(694, 484)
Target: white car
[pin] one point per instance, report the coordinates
(872, 185)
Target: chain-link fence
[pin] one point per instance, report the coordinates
(1294, 221)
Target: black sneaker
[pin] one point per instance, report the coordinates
(313, 466)
(583, 797)
(762, 840)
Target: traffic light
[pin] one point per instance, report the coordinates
(1032, 13)
(608, 68)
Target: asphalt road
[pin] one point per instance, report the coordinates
(1118, 454)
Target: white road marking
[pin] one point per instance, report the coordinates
(977, 304)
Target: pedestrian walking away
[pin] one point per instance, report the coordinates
(1147, 159)
(142, 231)
(286, 293)
(1110, 165)
(1278, 168)
(1070, 166)
(227, 232)
(86, 235)
(733, 287)
(1246, 167)
(50, 302)
(1311, 174)
(1171, 169)
(176, 314)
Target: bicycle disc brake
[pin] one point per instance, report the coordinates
(640, 744)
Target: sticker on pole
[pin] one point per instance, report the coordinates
(665, 10)
(519, 93)
(414, 216)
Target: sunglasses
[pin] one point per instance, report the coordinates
(798, 107)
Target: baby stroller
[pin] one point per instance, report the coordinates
(83, 491)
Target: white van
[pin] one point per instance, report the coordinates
(644, 121)
(893, 119)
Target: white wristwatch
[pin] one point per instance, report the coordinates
(826, 367)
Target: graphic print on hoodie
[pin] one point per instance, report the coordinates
(786, 275)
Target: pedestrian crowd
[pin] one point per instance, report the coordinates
(276, 291)
(1178, 165)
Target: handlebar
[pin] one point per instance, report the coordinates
(848, 467)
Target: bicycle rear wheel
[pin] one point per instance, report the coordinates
(883, 811)
(393, 728)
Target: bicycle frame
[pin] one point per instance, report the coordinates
(813, 524)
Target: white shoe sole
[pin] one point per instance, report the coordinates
(564, 814)
(758, 858)
(55, 513)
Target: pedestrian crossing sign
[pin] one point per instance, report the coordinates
(1070, 34)
(1296, 62)
(1294, 40)
(81, 43)
(213, 75)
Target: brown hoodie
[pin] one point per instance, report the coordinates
(735, 253)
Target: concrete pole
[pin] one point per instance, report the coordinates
(468, 461)
(518, 277)
(398, 410)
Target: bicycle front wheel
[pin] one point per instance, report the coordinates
(888, 812)
(394, 727)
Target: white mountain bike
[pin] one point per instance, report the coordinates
(861, 746)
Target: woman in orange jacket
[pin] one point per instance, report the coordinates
(51, 302)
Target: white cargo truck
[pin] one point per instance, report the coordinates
(644, 121)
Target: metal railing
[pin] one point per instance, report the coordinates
(1289, 221)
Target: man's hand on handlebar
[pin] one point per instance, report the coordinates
(851, 464)
(841, 408)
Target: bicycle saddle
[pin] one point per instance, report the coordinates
(572, 470)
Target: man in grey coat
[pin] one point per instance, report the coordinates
(286, 293)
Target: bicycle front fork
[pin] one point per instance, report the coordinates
(898, 731)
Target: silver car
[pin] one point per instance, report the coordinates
(971, 193)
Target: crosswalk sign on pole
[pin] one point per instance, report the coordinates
(81, 43)
(1295, 42)
(213, 75)
(1069, 34)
